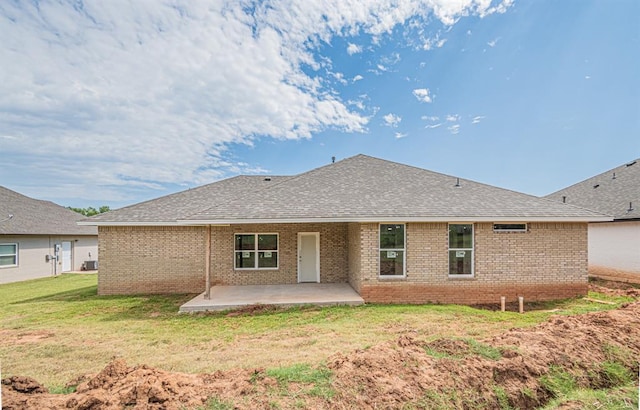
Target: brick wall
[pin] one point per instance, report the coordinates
(171, 259)
(151, 259)
(333, 254)
(547, 262)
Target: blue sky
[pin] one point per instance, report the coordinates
(112, 103)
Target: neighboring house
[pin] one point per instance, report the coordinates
(395, 233)
(614, 247)
(40, 238)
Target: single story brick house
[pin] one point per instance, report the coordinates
(614, 246)
(40, 239)
(395, 233)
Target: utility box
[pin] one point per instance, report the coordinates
(91, 265)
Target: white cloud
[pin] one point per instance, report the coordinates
(133, 97)
(430, 118)
(430, 43)
(432, 126)
(452, 117)
(357, 78)
(400, 135)
(353, 49)
(422, 94)
(493, 42)
(477, 119)
(391, 120)
(454, 129)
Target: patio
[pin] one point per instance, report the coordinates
(232, 297)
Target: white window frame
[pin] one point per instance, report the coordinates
(15, 255)
(404, 252)
(526, 227)
(256, 250)
(472, 250)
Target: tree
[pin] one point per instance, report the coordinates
(90, 211)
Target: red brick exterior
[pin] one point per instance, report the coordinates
(549, 261)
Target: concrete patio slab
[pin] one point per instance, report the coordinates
(233, 297)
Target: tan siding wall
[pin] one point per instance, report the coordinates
(548, 262)
(151, 260)
(32, 252)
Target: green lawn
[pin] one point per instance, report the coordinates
(55, 329)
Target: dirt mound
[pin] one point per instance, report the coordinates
(411, 371)
(495, 373)
(615, 289)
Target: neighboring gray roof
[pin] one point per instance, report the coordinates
(359, 188)
(606, 194)
(35, 217)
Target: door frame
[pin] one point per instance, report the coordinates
(316, 235)
(62, 256)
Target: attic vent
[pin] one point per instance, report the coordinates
(614, 176)
(509, 227)
(595, 186)
(267, 178)
(631, 163)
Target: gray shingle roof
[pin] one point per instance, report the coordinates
(182, 204)
(355, 189)
(606, 194)
(36, 217)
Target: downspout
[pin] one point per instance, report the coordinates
(207, 265)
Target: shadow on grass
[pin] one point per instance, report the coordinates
(116, 307)
(74, 295)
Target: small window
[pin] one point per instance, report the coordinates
(8, 255)
(460, 250)
(510, 227)
(256, 251)
(392, 250)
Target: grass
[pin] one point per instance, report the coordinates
(558, 382)
(621, 398)
(55, 329)
(318, 377)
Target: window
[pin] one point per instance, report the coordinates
(8, 254)
(392, 250)
(256, 251)
(461, 250)
(510, 227)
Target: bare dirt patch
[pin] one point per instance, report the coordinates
(20, 337)
(388, 375)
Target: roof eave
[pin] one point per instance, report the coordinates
(373, 219)
(378, 219)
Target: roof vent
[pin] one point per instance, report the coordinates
(333, 160)
(630, 207)
(564, 199)
(595, 186)
(614, 176)
(267, 178)
(631, 163)
(457, 185)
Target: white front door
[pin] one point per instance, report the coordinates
(66, 256)
(308, 257)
